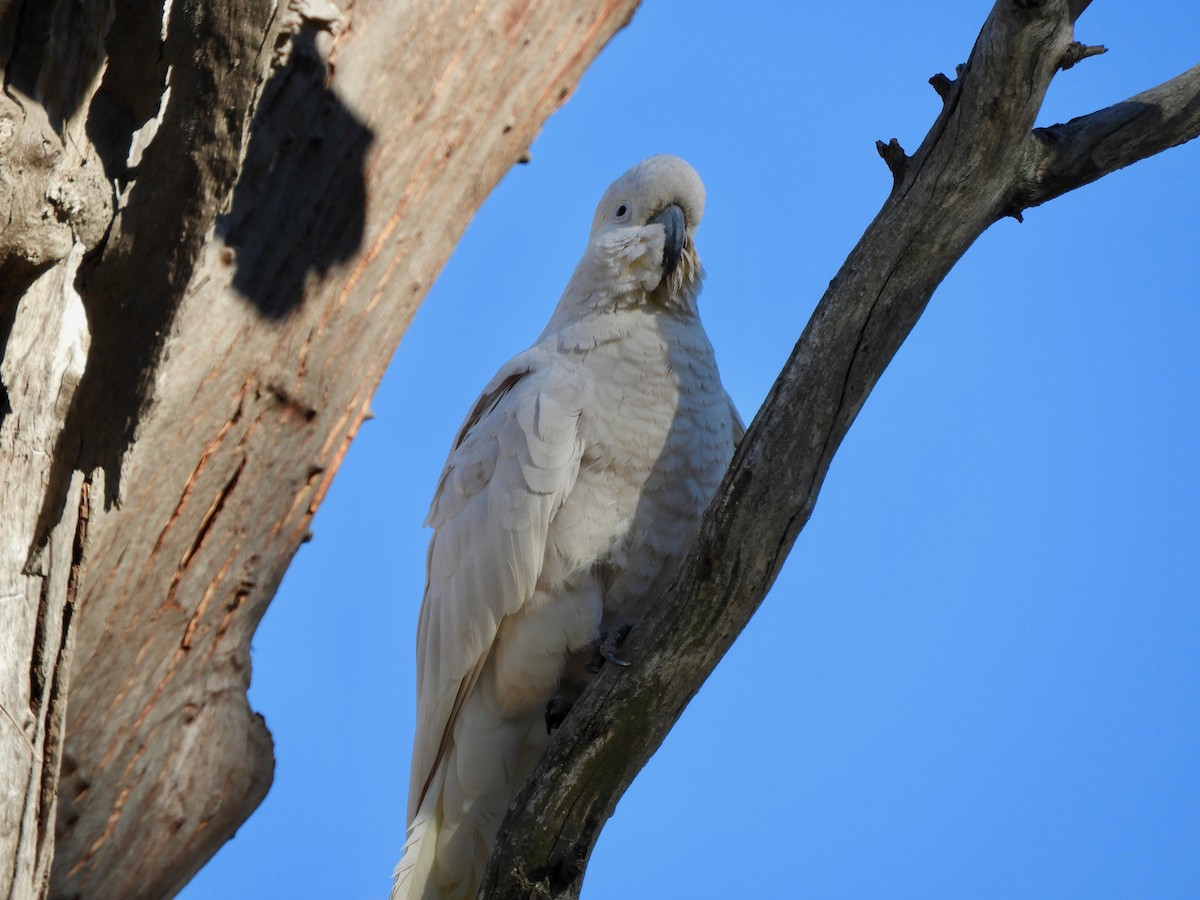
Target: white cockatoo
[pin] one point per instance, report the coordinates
(571, 494)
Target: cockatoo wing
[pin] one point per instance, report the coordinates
(513, 463)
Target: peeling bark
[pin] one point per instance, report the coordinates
(43, 364)
(218, 229)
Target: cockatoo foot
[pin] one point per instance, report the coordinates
(606, 650)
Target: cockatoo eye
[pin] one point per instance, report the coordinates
(622, 211)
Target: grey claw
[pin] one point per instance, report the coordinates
(613, 641)
(606, 648)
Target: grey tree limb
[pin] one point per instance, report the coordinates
(982, 160)
(1086, 148)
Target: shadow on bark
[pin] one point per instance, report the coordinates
(49, 51)
(300, 203)
(298, 206)
(49, 55)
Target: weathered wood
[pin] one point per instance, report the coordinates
(1086, 148)
(183, 376)
(55, 204)
(981, 161)
(44, 362)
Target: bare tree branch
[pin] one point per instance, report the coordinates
(1086, 148)
(980, 161)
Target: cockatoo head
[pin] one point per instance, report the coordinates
(647, 220)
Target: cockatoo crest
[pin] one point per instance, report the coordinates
(642, 244)
(646, 190)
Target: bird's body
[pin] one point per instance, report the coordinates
(570, 496)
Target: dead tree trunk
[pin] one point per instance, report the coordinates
(220, 220)
(981, 161)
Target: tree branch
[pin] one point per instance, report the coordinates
(1091, 146)
(973, 168)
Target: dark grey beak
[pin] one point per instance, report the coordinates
(673, 221)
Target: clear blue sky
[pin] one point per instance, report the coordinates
(979, 673)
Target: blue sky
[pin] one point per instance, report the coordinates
(978, 674)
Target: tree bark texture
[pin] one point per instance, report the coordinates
(221, 218)
(981, 161)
